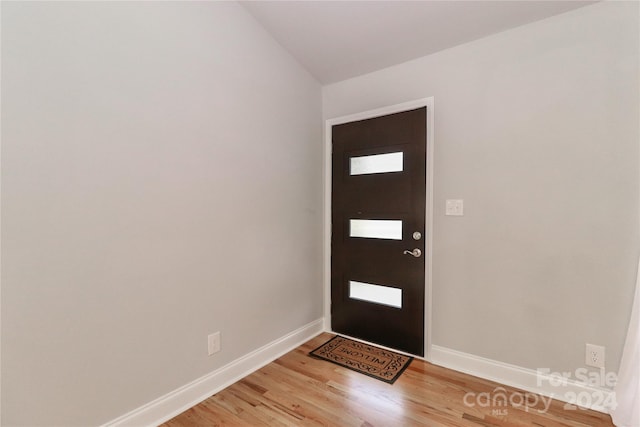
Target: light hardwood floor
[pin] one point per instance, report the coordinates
(297, 390)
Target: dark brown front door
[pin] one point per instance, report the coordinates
(378, 230)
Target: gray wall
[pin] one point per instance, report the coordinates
(537, 130)
(161, 180)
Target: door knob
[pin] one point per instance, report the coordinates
(416, 252)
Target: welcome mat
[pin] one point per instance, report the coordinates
(375, 362)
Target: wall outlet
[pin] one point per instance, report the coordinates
(594, 356)
(214, 343)
(454, 207)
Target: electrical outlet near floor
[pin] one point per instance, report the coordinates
(454, 207)
(594, 356)
(214, 343)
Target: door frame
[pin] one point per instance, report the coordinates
(326, 273)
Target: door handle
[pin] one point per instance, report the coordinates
(416, 253)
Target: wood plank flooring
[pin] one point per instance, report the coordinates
(297, 390)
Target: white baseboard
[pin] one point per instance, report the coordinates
(183, 398)
(568, 390)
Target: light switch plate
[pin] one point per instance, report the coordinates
(455, 207)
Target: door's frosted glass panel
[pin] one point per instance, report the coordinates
(384, 295)
(376, 228)
(377, 163)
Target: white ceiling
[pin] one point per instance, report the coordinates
(336, 40)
